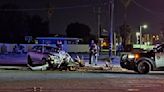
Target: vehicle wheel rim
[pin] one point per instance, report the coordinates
(143, 67)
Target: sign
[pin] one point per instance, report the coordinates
(28, 38)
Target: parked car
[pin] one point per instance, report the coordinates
(144, 61)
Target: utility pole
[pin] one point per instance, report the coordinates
(50, 12)
(98, 25)
(111, 13)
(126, 4)
(98, 21)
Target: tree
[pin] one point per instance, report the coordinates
(37, 27)
(13, 26)
(79, 30)
(162, 31)
(125, 33)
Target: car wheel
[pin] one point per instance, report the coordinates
(143, 67)
(29, 61)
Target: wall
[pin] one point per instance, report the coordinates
(70, 48)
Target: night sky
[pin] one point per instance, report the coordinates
(65, 12)
(150, 12)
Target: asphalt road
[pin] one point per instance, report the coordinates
(24, 80)
(64, 81)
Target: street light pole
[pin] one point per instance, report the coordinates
(142, 26)
(140, 36)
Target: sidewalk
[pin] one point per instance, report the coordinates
(101, 61)
(102, 64)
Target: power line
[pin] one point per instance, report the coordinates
(52, 8)
(147, 9)
(24, 9)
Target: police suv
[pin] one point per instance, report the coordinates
(145, 61)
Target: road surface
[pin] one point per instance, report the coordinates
(64, 81)
(24, 80)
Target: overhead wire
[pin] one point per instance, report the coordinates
(147, 9)
(52, 8)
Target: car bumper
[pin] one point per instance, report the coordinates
(127, 63)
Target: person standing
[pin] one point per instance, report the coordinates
(119, 49)
(59, 45)
(93, 53)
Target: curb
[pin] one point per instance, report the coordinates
(12, 67)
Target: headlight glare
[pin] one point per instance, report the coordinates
(131, 56)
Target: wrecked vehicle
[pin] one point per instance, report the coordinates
(49, 57)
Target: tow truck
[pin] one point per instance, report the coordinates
(144, 61)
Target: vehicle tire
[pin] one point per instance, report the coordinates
(143, 67)
(29, 61)
(122, 64)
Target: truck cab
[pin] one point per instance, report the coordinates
(143, 62)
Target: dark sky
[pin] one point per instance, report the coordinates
(65, 12)
(150, 12)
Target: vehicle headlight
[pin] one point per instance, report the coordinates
(52, 57)
(133, 56)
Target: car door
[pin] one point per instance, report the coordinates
(33, 53)
(39, 54)
(159, 57)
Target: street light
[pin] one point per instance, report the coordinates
(144, 27)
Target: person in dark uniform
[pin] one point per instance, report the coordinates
(59, 45)
(93, 52)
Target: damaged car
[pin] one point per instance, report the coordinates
(48, 57)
